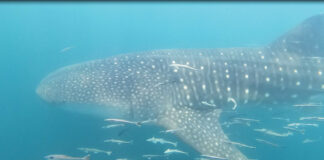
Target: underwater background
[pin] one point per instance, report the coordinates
(37, 38)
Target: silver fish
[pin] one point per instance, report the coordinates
(65, 157)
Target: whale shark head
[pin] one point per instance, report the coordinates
(97, 82)
(123, 83)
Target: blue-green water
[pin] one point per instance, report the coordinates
(32, 36)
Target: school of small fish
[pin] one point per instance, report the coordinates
(290, 127)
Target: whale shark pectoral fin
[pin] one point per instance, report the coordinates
(202, 131)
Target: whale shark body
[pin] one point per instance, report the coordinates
(187, 89)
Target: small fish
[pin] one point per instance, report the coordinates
(213, 157)
(66, 49)
(309, 105)
(177, 66)
(164, 83)
(121, 159)
(311, 140)
(65, 157)
(202, 158)
(267, 142)
(158, 84)
(150, 156)
(282, 119)
(228, 124)
(94, 150)
(173, 151)
(208, 104)
(273, 133)
(131, 122)
(301, 131)
(296, 125)
(148, 121)
(171, 130)
(240, 144)
(162, 141)
(113, 126)
(312, 118)
(247, 119)
(243, 121)
(118, 141)
(124, 121)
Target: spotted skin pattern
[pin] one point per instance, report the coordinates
(189, 89)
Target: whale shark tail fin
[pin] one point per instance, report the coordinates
(306, 39)
(201, 130)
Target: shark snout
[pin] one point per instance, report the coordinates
(46, 91)
(41, 91)
(38, 90)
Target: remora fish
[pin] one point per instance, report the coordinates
(117, 141)
(94, 150)
(273, 133)
(160, 140)
(65, 157)
(145, 85)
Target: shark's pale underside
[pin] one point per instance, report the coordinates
(189, 88)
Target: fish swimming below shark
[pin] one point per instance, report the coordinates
(190, 88)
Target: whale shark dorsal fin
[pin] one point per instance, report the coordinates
(306, 39)
(202, 131)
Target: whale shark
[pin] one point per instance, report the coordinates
(188, 89)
